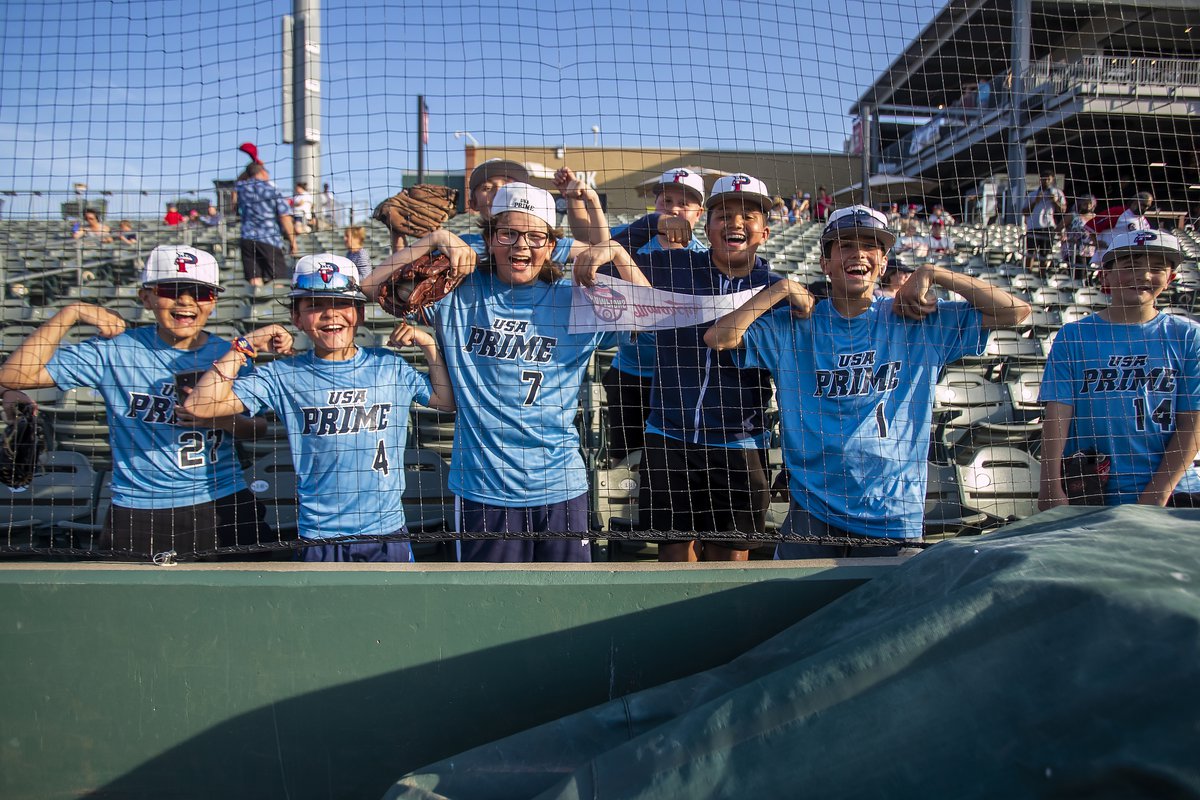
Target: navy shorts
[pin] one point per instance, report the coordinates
(394, 552)
(628, 407)
(232, 520)
(695, 488)
(800, 523)
(568, 516)
(262, 260)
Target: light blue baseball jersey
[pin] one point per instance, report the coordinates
(347, 424)
(560, 255)
(635, 354)
(517, 373)
(856, 399)
(1125, 383)
(157, 463)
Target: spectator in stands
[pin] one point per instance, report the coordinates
(1041, 225)
(893, 217)
(302, 209)
(912, 241)
(679, 196)
(910, 213)
(1079, 242)
(265, 215)
(211, 218)
(778, 213)
(125, 233)
(193, 218)
(704, 464)
(939, 241)
(1134, 217)
(346, 409)
(326, 209)
(804, 211)
(855, 377)
(939, 214)
(176, 484)
(92, 229)
(825, 204)
(1124, 384)
(355, 238)
(173, 217)
(517, 371)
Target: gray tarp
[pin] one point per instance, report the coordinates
(1057, 658)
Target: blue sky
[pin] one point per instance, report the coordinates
(150, 96)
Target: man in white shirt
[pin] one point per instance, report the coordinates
(1041, 225)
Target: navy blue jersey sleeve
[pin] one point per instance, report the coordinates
(637, 234)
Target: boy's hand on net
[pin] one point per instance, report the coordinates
(676, 230)
(405, 335)
(272, 339)
(913, 300)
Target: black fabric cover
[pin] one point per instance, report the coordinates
(1059, 657)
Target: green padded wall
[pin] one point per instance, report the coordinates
(279, 681)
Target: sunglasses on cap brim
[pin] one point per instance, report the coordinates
(200, 292)
(330, 283)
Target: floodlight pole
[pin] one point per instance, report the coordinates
(865, 118)
(302, 91)
(1021, 34)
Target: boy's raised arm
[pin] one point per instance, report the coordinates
(998, 308)
(589, 225)
(1056, 424)
(26, 367)
(441, 394)
(727, 332)
(213, 396)
(462, 259)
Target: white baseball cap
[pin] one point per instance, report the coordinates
(326, 275)
(523, 197)
(859, 219)
(742, 187)
(170, 263)
(681, 177)
(497, 166)
(1129, 243)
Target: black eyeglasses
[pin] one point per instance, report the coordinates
(509, 236)
(173, 291)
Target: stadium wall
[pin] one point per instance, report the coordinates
(619, 171)
(328, 681)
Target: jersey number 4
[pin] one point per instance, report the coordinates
(198, 448)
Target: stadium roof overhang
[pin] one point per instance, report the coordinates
(970, 40)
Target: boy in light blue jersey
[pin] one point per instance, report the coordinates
(517, 372)
(345, 407)
(678, 198)
(855, 376)
(176, 484)
(1125, 383)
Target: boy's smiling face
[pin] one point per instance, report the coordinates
(179, 314)
(854, 265)
(1137, 279)
(330, 322)
(736, 229)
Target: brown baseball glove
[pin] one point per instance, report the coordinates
(416, 286)
(23, 443)
(417, 210)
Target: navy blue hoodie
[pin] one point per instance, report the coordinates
(701, 395)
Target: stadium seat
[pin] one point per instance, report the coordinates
(272, 479)
(62, 489)
(1002, 482)
(945, 516)
(80, 424)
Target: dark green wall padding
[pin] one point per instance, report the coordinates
(220, 681)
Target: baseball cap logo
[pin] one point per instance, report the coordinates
(521, 202)
(681, 175)
(1143, 237)
(182, 260)
(326, 271)
(738, 181)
